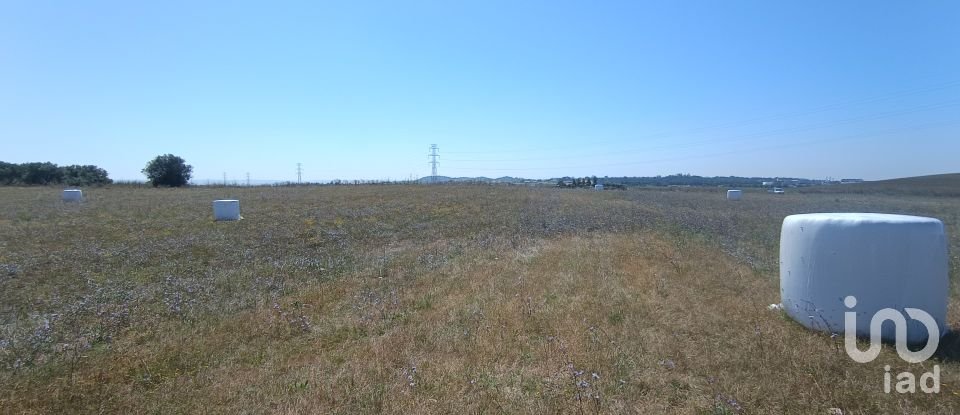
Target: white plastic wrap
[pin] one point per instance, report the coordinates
(227, 209)
(885, 261)
(72, 195)
(734, 194)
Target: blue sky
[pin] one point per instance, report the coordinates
(534, 89)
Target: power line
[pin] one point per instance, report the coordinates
(809, 111)
(732, 152)
(727, 140)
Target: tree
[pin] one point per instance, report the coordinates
(168, 170)
(84, 176)
(47, 173)
(10, 173)
(40, 173)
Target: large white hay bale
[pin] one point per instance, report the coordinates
(72, 195)
(734, 194)
(885, 261)
(227, 209)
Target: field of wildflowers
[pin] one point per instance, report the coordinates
(426, 299)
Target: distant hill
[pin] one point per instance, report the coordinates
(433, 179)
(446, 179)
(702, 181)
(656, 181)
(934, 185)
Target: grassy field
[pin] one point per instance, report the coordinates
(426, 299)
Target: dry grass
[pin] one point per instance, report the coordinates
(446, 299)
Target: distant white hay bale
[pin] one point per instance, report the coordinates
(72, 195)
(227, 209)
(734, 194)
(884, 261)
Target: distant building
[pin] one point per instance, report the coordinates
(598, 187)
(845, 181)
(767, 184)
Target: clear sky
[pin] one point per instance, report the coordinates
(542, 89)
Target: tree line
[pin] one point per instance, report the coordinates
(577, 181)
(164, 170)
(46, 173)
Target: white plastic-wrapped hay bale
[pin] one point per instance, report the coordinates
(884, 261)
(227, 209)
(72, 195)
(734, 194)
